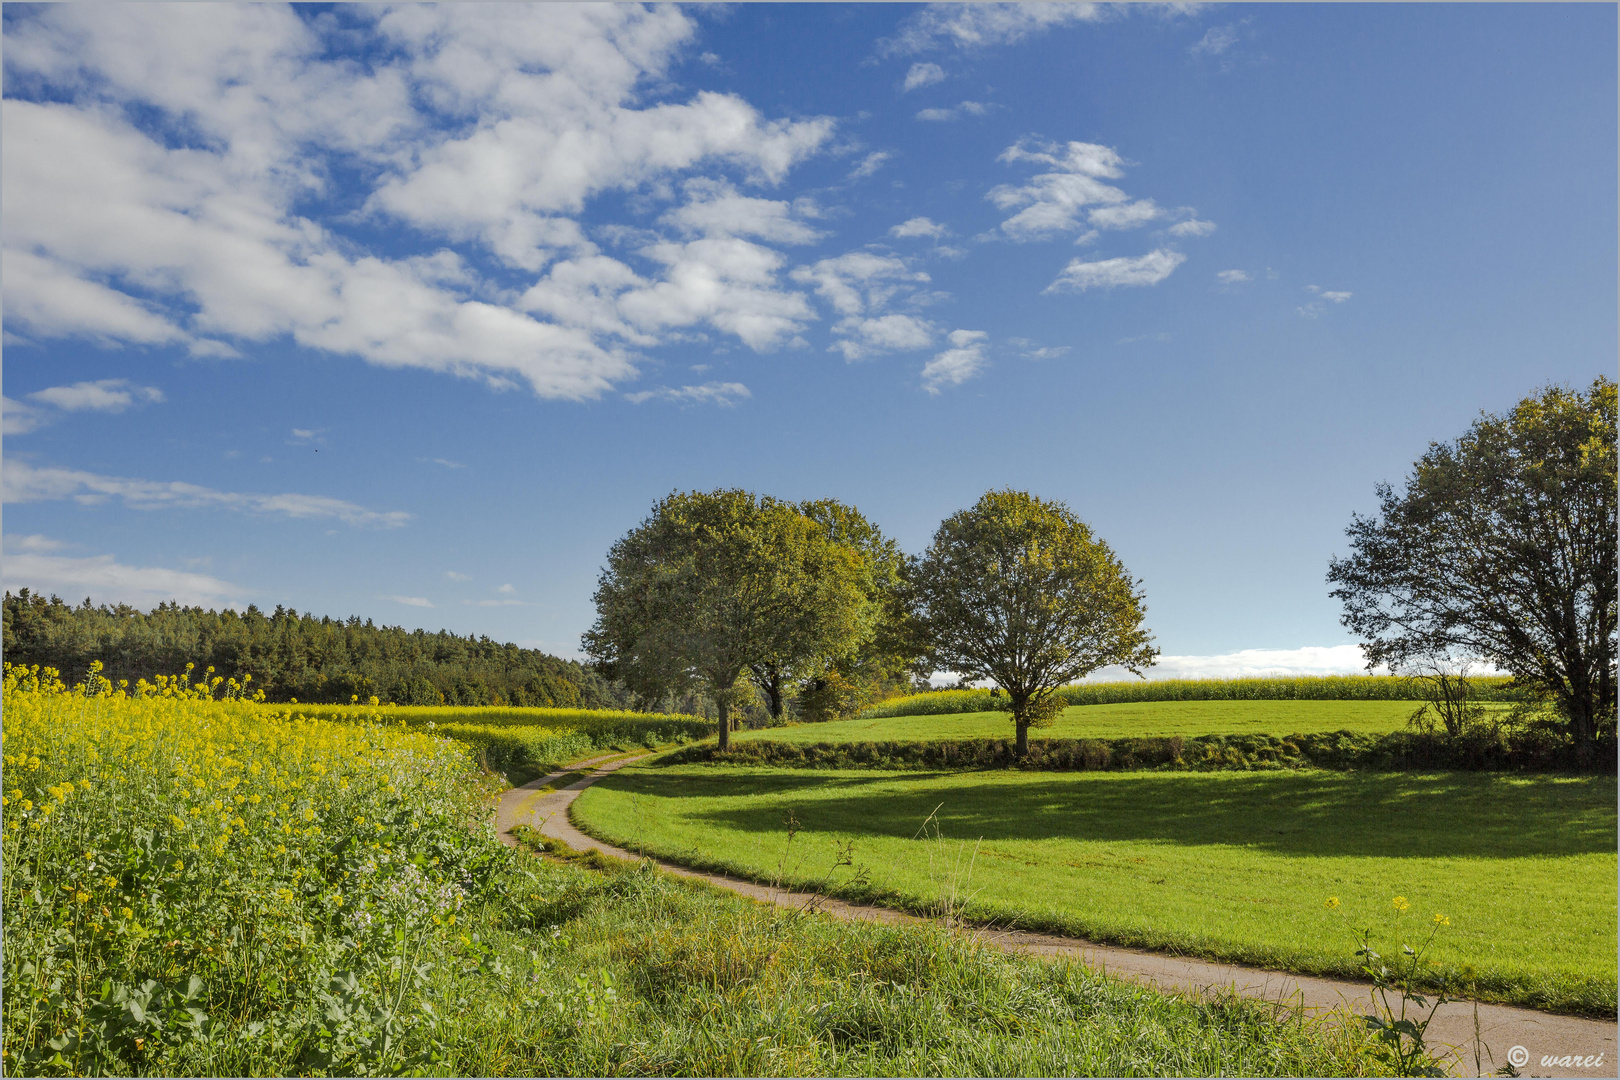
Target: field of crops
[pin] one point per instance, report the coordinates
(1236, 865)
(1251, 717)
(1297, 688)
(521, 744)
(195, 887)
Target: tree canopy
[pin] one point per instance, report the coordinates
(1501, 547)
(1019, 591)
(294, 655)
(716, 584)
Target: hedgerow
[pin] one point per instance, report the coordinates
(1533, 750)
(1301, 688)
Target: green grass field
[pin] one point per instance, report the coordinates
(1233, 866)
(1115, 721)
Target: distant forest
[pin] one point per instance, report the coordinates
(296, 656)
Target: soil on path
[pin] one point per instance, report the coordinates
(1504, 1031)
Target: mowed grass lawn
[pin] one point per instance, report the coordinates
(1229, 865)
(1116, 721)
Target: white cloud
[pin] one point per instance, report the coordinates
(970, 108)
(1232, 277)
(22, 482)
(714, 393)
(1125, 215)
(18, 418)
(977, 25)
(1324, 297)
(508, 589)
(1216, 40)
(1052, 202)
(715, 209)
(1149, 269)
(34, 543)
(490, 126)
(1254, 663)
(919, 226)
(447, 463)
(103, 395)
(107, 581)
(456, 576)
(870, 164)
(860, 286)
(409, 601)
(1192, 227)
(963, 360)
(923, 75)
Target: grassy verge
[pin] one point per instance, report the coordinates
(195, 888)
(1231, 866)
(1115, 721)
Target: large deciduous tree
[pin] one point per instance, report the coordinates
(1018, 590)
(1502, 547)
(713, 584)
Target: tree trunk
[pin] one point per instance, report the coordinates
(773, 693)
(1023, 735)
(725, 725)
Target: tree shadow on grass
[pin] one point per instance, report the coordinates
(1390, 815)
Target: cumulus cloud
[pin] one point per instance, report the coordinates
(457, 576)
(978, 25)
(860, 286)
(919, 226)
(22, 482)
(19, 418)
(1149, 269)
(490, 127)
(1053, 201)
(713, 393)
(35, 543)
(923, 75)
(103, 395)
(963, 360)
(869, 165)
(409, 601)
(106, 581)
(1192, 227)
(1324, 297)
(1232, 277)
(966, 108)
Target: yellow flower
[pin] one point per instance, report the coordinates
(1331, 903)
(27, 805)
(1442, 920)
(1400, 903)
(81, 897)
(127, 913)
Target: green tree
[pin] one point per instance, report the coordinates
(1501, 547)
(1017, 590)
(713, 584)
(880, 652)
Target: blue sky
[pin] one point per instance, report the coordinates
(411, 313)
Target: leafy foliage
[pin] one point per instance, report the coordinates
(1502, 547)
(1017, 590)
(713, 585)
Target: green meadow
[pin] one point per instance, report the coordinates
(1249, 717)
(1233, 866)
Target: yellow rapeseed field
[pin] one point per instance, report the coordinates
(173, 860)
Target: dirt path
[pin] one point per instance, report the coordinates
(1502, 1028)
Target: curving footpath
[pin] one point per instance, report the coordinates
(1505, 1032)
